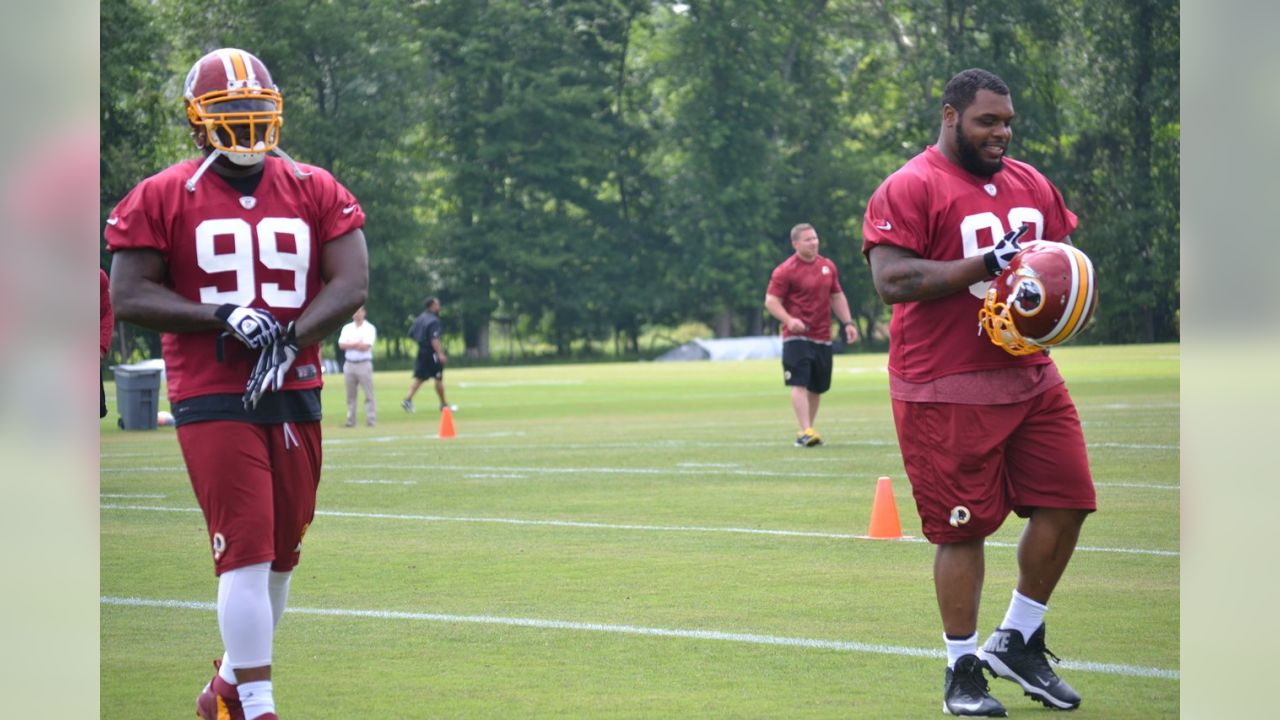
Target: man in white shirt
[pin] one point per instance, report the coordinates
(356, 340)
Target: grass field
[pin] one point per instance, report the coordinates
(640, 541)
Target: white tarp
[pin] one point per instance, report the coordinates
(740, 348)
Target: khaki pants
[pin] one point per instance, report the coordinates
(359, 374)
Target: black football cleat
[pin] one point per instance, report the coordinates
(1025, 663)
(964, 691)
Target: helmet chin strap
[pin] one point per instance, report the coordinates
(297, 171)
(208, 160)
(235, 157)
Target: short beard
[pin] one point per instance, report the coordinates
(971, 161)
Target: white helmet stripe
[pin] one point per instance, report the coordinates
(228, 68)
(1079, 301)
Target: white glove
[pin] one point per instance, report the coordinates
(272, 368)
(254, 327)
(999, 257)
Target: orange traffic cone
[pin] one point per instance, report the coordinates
(884, 513)
(446, 424)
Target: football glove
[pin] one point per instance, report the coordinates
(272, 368)
(254, 327)
(999, 257)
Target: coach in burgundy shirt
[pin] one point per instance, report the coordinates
(802, 292)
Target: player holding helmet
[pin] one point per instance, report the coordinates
(982, 431)
(270, 254)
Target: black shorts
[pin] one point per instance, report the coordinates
(807, 364)
(428, 367)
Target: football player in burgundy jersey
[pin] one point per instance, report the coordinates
(982, 432)
(802, 293)
(247, 267)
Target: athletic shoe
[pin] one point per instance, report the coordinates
(219, 700)
(964, 691)
(407, 405)
(452, 408)
(808, 438)
(1025, 663)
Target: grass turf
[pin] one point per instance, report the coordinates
(573, 550)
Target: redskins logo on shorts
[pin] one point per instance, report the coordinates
(302, 535)
(786, 374)
(219, 546)
(960, 515)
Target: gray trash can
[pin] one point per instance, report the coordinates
(137, 396)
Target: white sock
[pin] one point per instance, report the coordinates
(245, 619)
(957, 649)
(256, 699)
(278, 588)
(1024, 615)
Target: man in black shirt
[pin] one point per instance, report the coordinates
(426, 330)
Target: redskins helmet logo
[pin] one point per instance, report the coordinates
(1028, 297)
(960, 515)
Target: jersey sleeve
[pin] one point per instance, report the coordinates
(898, 214)
(337, 210)
(779, 282)
(835, 279)
(132, 224)
(1059, 221)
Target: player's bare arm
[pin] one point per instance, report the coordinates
(773, 304)
(902, 276)
(138, 295)
(439, 351)
(344, 264)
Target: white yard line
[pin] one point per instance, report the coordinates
(684, 634)
(633, 527)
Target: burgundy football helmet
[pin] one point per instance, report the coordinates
(1044, 298)
(230, 94)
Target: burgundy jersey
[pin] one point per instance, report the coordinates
(805, 289)
(938, 211)
(224, 247)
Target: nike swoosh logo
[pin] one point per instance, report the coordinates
(113, 220)
(1044, 681)
(886, 226)
(348, 210)
(967, 706)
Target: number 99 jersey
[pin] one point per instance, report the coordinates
(221, 246)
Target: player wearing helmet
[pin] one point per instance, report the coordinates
(270, 254)
(982, 431)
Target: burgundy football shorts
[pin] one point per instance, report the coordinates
(257, 487)
(969, 465)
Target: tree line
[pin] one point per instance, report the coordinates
(580, 171)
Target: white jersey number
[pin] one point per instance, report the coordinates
(972, 224)
(240, 260)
